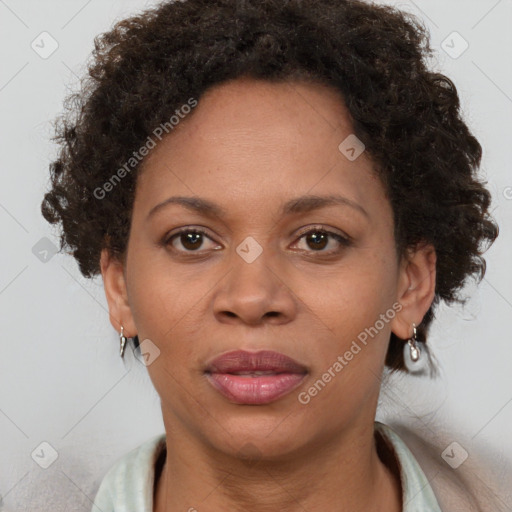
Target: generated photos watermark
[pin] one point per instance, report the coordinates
(137, 156)
(305, 397)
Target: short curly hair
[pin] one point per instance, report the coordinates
(407, 116)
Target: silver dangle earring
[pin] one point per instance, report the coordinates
(122, 341)
(415, 354)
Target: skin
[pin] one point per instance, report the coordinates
(250, 146)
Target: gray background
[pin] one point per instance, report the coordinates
(61, 379)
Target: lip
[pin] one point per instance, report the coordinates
(233, 375)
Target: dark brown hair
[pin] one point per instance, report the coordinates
(408, 117)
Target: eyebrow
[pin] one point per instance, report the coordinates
(301, 204)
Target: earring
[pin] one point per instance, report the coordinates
(122, 340)
(415, 354)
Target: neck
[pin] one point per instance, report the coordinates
(348, 472)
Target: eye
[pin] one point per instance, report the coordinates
(319, 238)
(192, 239)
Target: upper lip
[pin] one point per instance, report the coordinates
(264, 360)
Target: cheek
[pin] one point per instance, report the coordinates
(347, 309)
(359, 288)
(166, 311)
(168, 303)
(350, 354)
(158, 302)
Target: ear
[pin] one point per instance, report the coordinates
(114, 282)
(416, 288)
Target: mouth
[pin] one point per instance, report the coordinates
(254, 378)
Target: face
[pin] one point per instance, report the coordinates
(295, 254)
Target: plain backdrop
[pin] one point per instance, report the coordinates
(62, 382)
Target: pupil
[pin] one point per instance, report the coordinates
(316, 239)
(190, 240)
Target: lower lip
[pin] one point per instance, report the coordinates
(261, 389)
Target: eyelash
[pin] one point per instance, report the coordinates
(344, 241)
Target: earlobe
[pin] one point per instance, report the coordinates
(114, 282)
(416, 288)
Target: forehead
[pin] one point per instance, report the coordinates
(250, 114)
(254, 141)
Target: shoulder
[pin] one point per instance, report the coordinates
(128, 484)
(469, 483)
(417, 493)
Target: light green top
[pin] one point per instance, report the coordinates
(128, 485)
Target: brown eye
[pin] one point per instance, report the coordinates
(191, 240)
(318, 239)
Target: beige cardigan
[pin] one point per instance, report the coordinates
(480, 484)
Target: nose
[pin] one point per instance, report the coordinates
(254, 293)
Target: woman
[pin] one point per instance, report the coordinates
(277, 195)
